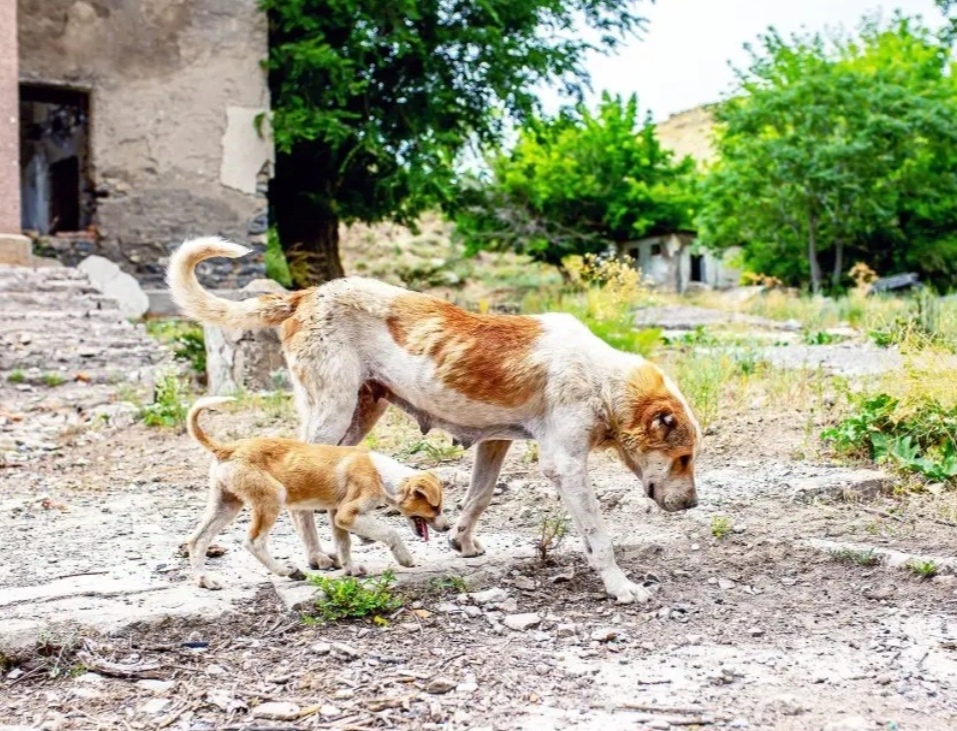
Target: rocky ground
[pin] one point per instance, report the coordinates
(764, 616)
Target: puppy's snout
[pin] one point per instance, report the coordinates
(441, 523)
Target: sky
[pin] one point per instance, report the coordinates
(682, 59)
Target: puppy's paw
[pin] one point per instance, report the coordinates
(208, 581)
(355, 570)
(467, 547)
(323, 562)
(296, 574)
(402, 555)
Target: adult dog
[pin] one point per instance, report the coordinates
(354, 345)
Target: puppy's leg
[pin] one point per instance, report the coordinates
(340, 537)
(220, 511)
(349, 518)
(368, 412)
(265, 501)
(567, 468)
(305, 525)
(488, 463)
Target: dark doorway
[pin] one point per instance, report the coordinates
(697, 268)
(54, 159)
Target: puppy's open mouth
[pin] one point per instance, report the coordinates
(421, 527)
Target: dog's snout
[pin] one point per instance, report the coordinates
(441, 524)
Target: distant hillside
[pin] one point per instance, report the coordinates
(689, 133)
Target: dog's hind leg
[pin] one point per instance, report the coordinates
(489, 457)
(220, 511)
(340, 537)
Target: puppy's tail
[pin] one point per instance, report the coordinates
(221, 451)
(197, 303)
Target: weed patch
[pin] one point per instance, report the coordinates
(857, 556)
(923, 569)
(452, 583)
(170, 403)
(185, 339)
(352, 598)
(52, 379)
(551, 532)
(721, 526)
(17, 376)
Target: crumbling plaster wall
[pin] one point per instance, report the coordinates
(174, 86)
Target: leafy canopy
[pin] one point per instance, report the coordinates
(374, 101)
(839, 151)
(577, 182)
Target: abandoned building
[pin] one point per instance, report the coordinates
(673, 262)
(134, 127)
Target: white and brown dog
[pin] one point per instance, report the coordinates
(269, 474)
(354, 345)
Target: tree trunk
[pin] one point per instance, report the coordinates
(812, 253)
(306, 222)
(838, 264)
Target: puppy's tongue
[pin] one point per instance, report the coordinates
(425, 530)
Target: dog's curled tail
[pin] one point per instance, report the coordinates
(268, 310)
(222, 451)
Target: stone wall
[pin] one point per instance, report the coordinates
(175, 87)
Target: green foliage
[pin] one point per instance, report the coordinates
(576, 183)
(373, 102)
(277, 268)
(819, 337)
(186, 340)
(925, 569)
(52, 379)
(551, 532)
(451, 583)
(17, 376)
(721, 526)
(351, 598)
(922, 440)
(839, 152)
(858, 556)
(170, 403)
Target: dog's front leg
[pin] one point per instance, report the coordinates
(568, 471)
(489, 457)
(305, 525)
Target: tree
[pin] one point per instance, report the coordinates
(831, 149)
(577, 183)
(373, 101)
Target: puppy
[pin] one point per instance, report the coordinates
(269, 474)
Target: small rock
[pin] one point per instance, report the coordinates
(449, 607)
(693, 639)
(524, 583)
(755, 631)
(567, 630)
(14, 674)
(562, 576)
(277, 711)
(521, 622)
(739, 723)
(329, 711)
(605, 634)
(340, 648)
(157, 686)
(321, 648)
(884, 679)
(726, 584)
(850, 723)
(509, 606)
(438, 686)
(471, 611)
(435, 711)
(344, 694)
(489, 596)
(90, 678)
(466, 687)
(945, 579)
(154, 706)
(214, 669)
(695, 546)
(88, 694)
(658, 724)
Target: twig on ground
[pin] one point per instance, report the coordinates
(882, 513)
(119, 670)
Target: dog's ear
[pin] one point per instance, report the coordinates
(664, 422)
(428, 487)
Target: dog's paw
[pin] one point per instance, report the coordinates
(296, 574)
(355, 570)
(468, 548)
(323, 562)
(208, 581)
(628, 592)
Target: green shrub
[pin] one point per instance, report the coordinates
(352, 598)
(170, 403)
(275, 260)
(184, 338)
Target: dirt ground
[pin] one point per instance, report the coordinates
(762, 628)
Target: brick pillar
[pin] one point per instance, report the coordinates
(14, 248)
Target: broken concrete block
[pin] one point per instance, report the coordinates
(117, 285)
(250, 360)
(16, 250)
(845, 485)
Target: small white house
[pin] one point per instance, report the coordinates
(672, 262)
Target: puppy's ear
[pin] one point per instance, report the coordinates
(429, 488)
